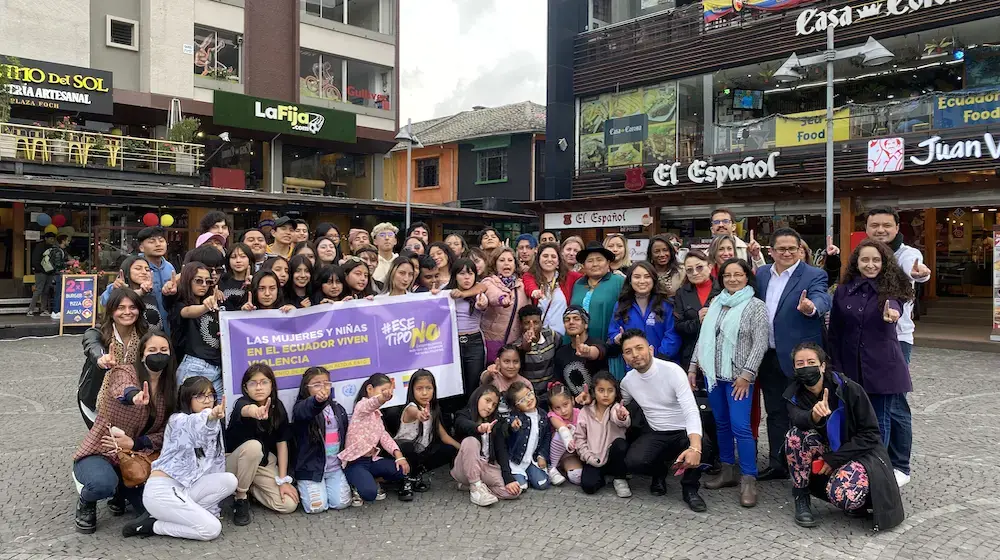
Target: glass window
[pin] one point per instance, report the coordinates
(219, 53)
(332, 10)
(628, 128)
(320, 75)
(343, 174)
(369, 85)
(373, 15)
(427, 172)
(690, 118)
(608, 12)
(492, 165)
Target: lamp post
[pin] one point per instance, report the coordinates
(873, 53)
(406, 135)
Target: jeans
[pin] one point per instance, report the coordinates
(907, 349)
(100, 479)
(472, 350)
(333, 492)
(55, 287)
(732, 424)
(193, 367)
(362, 472)
(894, 422)
(772, 385)
(534, 477)
(40, 293)
(592, 478)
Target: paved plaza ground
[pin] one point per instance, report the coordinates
(952, 507)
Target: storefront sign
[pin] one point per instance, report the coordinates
(599, 219)
(666, 174)
(995, 336)
(78, 301)
(625, 130)
(635, 179)
(48, 85)
(802, 129)
(628, 128)
(721, 9)
(974, 108)
(813, 20)
(887, 154)
(255, 113)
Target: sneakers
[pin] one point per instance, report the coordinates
(622, 488)
(86, 517)
(141, 527)
(356, 500)
(241, 512)
(901, 478)
(55, 316)
(380, 495)
(421, 485)
(405, 490)
(481, 495)
(555, 477)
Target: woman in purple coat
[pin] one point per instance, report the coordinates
(863, 343)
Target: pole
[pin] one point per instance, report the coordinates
(830, 56)
(409, 168)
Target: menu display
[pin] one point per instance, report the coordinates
(78, 301)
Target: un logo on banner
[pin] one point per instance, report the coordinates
(350, 390)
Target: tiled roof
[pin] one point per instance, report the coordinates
(480, 123)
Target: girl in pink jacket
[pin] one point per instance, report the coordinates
(600, 437)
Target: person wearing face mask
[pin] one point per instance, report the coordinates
(135, 401)
(833, 448)
(863, 344)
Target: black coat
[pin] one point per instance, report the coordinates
(92, 375)
(686, 322)
(310, 459)
(860, 440)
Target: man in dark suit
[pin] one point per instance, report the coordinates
(797, 299)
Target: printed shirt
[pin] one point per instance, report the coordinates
(332, 441)
(366, 431)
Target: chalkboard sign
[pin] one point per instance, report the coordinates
(79, 301)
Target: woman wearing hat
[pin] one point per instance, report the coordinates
(597, 293)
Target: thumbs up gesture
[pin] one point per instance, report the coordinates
(753, 247)
(618, 337)
(919, 270)
(806, 307)
(142, 397)
(831, 249)
(822, 408)
(889, 315)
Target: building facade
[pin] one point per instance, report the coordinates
(669, 110)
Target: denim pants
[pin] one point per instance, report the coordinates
(100, 479)
(907, 349)
(894, 422)
(362, 472)
(193, 367)
(534, 477)
(732, 425)
(333, 492)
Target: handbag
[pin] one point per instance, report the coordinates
(136, 467)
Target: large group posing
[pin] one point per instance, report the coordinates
(577, 365)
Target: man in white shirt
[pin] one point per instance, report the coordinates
(671, 435)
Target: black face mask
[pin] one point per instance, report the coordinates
(156, 362)
(808, 375)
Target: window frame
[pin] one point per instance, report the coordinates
(237, 42)
(483, 158)
(340, 85)
(135, 33)
(420, 172)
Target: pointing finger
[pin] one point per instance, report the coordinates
(751, 236)
(826, 395)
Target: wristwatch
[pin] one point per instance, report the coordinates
(279, 480)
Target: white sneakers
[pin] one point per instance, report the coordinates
(481, 495)
(622, 488)
(55, 315)
(901, 478)
(555, 477)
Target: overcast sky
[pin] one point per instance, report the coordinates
(458, 53)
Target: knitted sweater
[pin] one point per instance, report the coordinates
(750, 347)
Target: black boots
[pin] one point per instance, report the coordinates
(141, 527)
(694, 500)
(86, 517)
(241, 512)
(658, 487)
(117, 505)
(419, 484)
(803, 512)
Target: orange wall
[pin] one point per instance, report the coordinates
(447, 189)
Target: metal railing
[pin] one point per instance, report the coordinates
(61, 147)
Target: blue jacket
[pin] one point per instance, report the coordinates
(310, 459)
(791, 327)
(660, 333)
(517, 440)
(161, 275)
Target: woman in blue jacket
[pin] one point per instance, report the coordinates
(642, 305)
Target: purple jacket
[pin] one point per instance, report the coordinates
(862, 345)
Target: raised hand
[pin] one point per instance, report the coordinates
(107, 361)
(583, 399)
(537, 294)
(485, 427)
(119, 280)
(323, 394)
(919, 271)
(889, 315)
(170, 287)
(806, 306)
(211, 303)
(142, 397)
(482, 302)
(219, 410)
(423, 414)
(831, 249)
(146, 287)
(753, 248)
(621, 412)
(261, 412)
(822, 408)
(516, 424)
(618, 337)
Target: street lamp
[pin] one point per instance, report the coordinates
(406, 135)
(872, 53)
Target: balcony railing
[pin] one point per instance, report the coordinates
(72, 148)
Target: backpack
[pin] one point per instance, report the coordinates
(47, 260)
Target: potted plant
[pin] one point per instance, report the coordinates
(184, 131)
(99, 151)
(8, 140)
(60, 136)
(136, 153)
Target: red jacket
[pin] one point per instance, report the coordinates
(565, 284)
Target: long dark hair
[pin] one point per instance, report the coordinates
(473, 404)
(374, 381)
(126, 269)
(605, 375)
(108, 320)
(293, 264)
(627, 297)
(562, 270)
(255, 284)
(243, 248)
(393, 267)
(348, 290)
(892, 282)
(435, 408)
(168, 377)
(189, 389)
(751, 278)
(336, 249)
(276, 415)
(447, 253)
(268, 266)
(323, 276)
(185, 294)
(673, 267)
(465, 244)
(317, 428)
(460, 265)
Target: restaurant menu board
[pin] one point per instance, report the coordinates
(995, 336)
(79, 301)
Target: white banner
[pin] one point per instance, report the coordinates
(599, 218)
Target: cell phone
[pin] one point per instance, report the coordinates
(818, 465)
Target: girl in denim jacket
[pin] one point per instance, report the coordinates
(320, 428)
(530, 438)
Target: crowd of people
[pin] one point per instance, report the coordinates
(577, 365)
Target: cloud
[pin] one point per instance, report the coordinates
(470, 12)
(519, 76)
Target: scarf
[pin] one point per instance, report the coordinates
(728, 331)
(896, 242)
(125, 352)
(508, 281)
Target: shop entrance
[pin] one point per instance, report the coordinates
(964, 248)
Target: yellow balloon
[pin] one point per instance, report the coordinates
(51, 228)
(166, 220)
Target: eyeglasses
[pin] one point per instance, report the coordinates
(385, 235)
(200, 281)
(206, 398)
(721, 222)
(530, 395)
(320, 385)
(217, 270)
(261, 384)
(734, 276)
(696, 270)
(786, 250)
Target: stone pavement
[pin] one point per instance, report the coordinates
(952, 508)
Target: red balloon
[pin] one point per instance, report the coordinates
(59, 220)
(150, 219)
